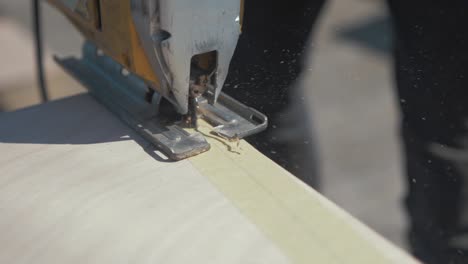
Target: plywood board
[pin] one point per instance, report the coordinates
(77, 186)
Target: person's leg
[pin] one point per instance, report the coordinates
(266, 63)
(432, 80)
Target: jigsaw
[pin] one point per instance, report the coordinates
(160, 65)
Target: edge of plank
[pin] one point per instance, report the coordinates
(299, 220)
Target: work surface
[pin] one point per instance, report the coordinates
(77, 186)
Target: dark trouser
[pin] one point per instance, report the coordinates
(431, 59)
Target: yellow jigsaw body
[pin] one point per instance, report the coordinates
(109, 25)
(181, 49)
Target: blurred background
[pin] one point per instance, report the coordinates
(347, 85)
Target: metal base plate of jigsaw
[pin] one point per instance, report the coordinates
(124, 94)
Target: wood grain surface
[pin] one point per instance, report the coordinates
(77, 186)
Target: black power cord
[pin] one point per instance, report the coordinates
(36, 9)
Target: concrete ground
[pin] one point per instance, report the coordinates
(348, 85)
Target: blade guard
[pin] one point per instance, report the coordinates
(173, 31)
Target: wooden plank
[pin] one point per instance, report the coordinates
(77, 186)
